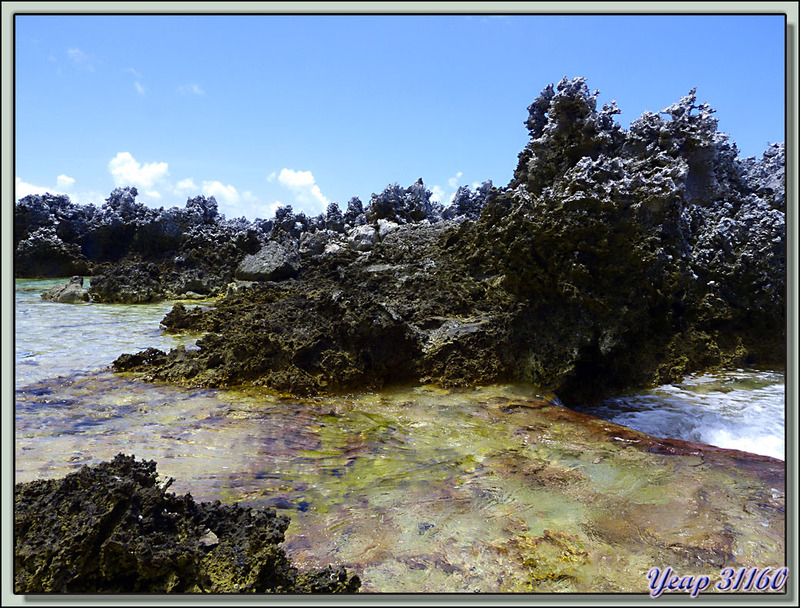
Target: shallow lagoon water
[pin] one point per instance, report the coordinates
(53, 339)
(414, 489)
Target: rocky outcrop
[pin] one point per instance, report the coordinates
(614, 258)
(275, 261)
(70, 293)
(134, 283)
(195, 249)
(43, 254)
(113, 528)
(653, 246)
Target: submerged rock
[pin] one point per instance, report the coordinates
(113, 528)
(71, 292)
(425, 490)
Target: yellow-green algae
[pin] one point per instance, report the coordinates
(421, 489)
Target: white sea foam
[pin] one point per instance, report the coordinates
(738, 409)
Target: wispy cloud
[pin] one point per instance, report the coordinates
(225, 194)
(127, 171)
(139, 88)
(453, 181)
(64, 186)
(81, 59)
(186, 187)
(191, 89)
(77, 55)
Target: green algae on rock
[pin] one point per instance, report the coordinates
(113, 528)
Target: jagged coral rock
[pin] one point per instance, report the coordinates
(113, 528)
(614, 258)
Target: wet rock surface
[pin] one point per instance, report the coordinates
(113, 528)
(134, 283)
(69, 293)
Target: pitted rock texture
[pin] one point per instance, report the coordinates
(113, 528)
(196, 250)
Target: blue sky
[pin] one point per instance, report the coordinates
(262, 110)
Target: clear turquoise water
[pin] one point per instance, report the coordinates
(414, 488)
(54, 339)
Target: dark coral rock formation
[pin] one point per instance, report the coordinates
(195, 250)
(113, 528)
(275, 261)
(43, 254)
(130, 283)
(613, 259)
(47, 229)
(350, 320)
(404, 205)
(653, 246)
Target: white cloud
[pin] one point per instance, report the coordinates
(271, 177)
(126, 171)
(139, 88)
(192, 89)
(134, 72)
(453, 181)
(186, 186)
(221, 192)
(436, 194)
(64, 181)
(153, 194)
(23, 189)
(77, 55)
(306, 192)
(296, 179)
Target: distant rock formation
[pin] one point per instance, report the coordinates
(196, 251)
(275, 261)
